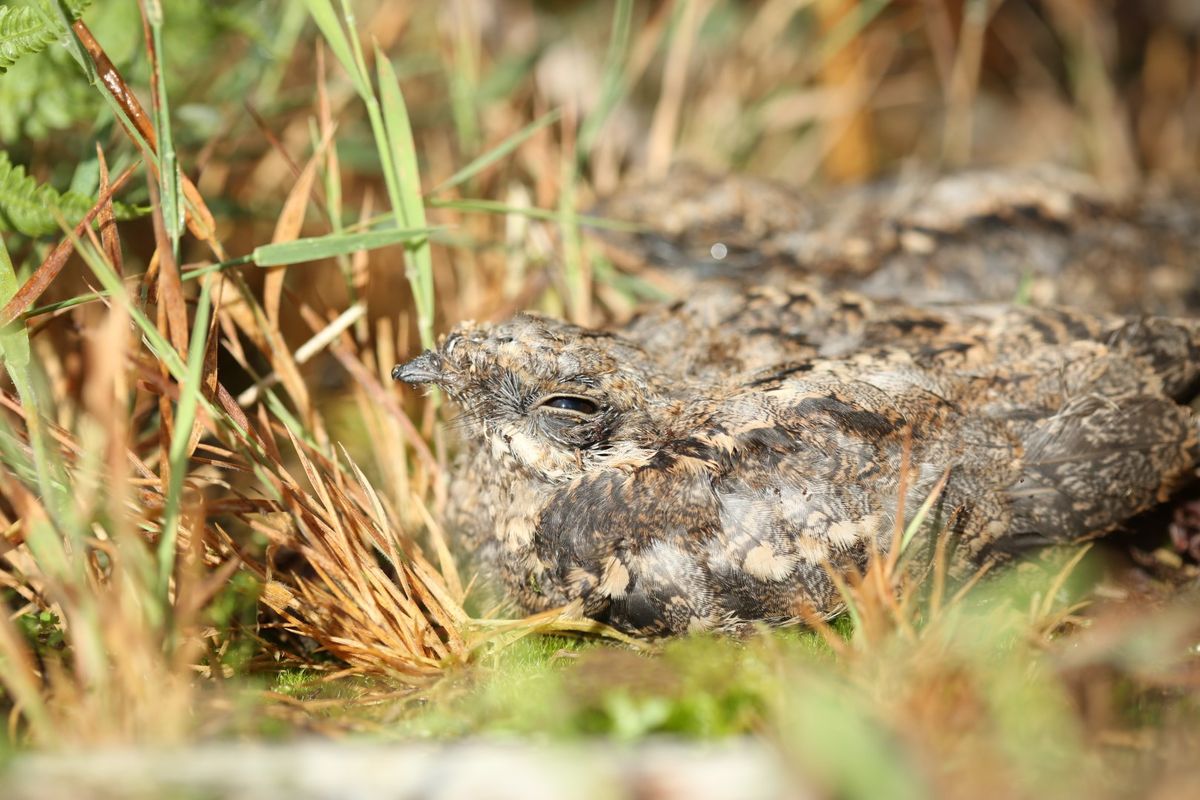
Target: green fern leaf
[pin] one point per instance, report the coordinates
(29, 208)
(26, 29)
(22, 32)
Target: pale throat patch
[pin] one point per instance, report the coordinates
(553, 463)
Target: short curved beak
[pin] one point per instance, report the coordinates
(425, 368)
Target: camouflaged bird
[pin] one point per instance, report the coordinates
(710, 464)
(1044, 233)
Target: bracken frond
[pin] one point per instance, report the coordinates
(29, 208)
(25, 30)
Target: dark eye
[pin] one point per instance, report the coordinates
(575, 405)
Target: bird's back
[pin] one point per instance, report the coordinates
(733, 450)
(1053, 426)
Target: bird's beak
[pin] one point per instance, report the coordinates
(425, 368)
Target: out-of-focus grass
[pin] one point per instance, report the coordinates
(219, 516)
(974, 701)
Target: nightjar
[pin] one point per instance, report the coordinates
(1043, 233)
(710, 463)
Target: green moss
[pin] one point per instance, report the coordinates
(697, 687)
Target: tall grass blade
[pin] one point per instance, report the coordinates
(15, 350)
(612, 83)
(314, 248)
(168, 173)
(412, 206)
(850, 27)
(180, 450)
(326, 17)
(498, 152)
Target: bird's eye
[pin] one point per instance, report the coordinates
(575, 405)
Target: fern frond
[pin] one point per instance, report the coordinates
(29, 208)
(22, 32)
(25, 30)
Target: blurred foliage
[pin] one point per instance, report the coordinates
(48, 93)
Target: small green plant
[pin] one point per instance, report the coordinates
(43, 629)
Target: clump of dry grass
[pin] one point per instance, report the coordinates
(373, 600)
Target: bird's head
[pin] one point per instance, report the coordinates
(555, 397)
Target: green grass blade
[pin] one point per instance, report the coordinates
(284, 42)
(15, 351)
(612, 84)
(498, 152)
(463, 78)
(475, 205)
(280, 410)
(318, 247)
(392, 131)
(168, 174)
(14, 340)
(177, 453)
(849, 27)
(360, 63)
(159, 347)
(331, 28)
(408, 178)
(296, 251)
(918, 520)
(59, 15)
(399, 141)
(572, 244)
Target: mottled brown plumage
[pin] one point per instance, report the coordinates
(709, 464)
(1046, 234)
